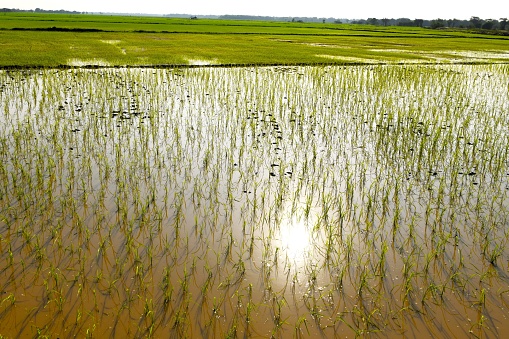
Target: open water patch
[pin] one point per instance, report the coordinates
(348, 59)
(202, 62)
(88, 62)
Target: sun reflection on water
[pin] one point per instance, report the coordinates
(295, 239)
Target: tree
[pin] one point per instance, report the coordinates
(372, 21)
(488, 24)
(404, 22)
(503, 23)
(385, 21)
(476, 21)
(437, 23)
(452, 22)
(419, 22)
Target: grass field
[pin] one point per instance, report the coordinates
(73, 40)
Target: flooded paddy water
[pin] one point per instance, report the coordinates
(255, 202)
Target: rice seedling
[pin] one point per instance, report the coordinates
(335, 201)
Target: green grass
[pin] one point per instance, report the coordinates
(159, 24)
(28, 40)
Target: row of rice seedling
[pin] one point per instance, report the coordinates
(258, 201)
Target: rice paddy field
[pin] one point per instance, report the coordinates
(325, 201)
(367, 197)
(63, 41)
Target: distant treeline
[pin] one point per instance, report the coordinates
(39, 10)
(284, 18)
(474, 22)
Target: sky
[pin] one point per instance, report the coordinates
(349, 9)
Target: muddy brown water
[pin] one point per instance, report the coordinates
(254, 202)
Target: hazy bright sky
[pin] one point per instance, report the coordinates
(351, 9)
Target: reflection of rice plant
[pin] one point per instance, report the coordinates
(492, 254)
(9, 299)
(193, 198)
